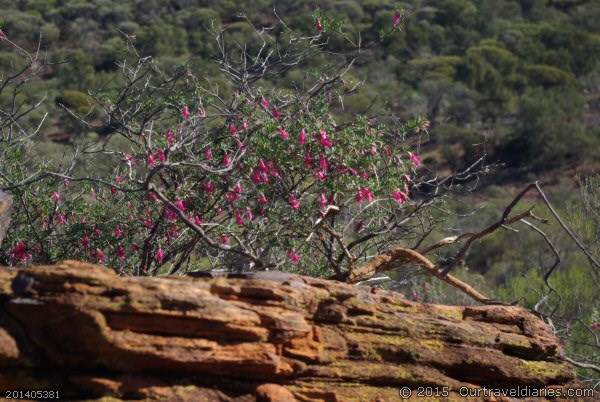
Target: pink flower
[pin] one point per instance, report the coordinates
(595, 326)
(160, 155)
(128, 159)
(180, 205)
(323, 201)
(293, 256)
(318, 25)
(302, 137)
(19, 252)
(197, 220)
(364, 194)
(399, 196)
(415, 159)
(85, 241)
(118, 232)
(396, 19)
(119, 179)
(233, 130)
(100, 257)
(232, 197)
(170, 214)
(414, 296)
(249, 214)
(324, 139)
(55, 196)
(245, 125)
(170, 137)
(150, 161)
(259, 177)
(185, 113)
(121, 252)
(323, 163)
(320, 175)
(308, 160)
(262, 199)
(224, 239)
(152, 196)
(294, 202)
(238, 189)
(159, 256)
(276, 113)
(208, 187)
(227, 160)
(61, 219)
(135, 248)
(2, 35)
(264, 102)
(283, 133)
(238, 218)
(208, 154)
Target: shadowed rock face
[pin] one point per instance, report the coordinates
(5, 209)
(85, 331)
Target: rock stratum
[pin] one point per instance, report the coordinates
(82, 330)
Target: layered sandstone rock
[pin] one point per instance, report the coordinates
(84, 331)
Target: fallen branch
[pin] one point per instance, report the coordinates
(383, 261)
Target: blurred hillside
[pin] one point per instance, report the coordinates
(518, 79)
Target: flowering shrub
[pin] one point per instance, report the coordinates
(263, 178)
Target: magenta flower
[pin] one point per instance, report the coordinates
(160, 155)
(323, 163)
(320, 175)
(238, 218)
(150, 161)
(323, 201)
(227, 160)
(55, 196)
(159, 256)
(85, 241)
(399, 196)
(197, 220)
(249, 214)
(302, 137)
(415, 159)
(208, 187)
(208, 154)
(308, 160)
(293, 256)
(324, 139)
(294, 202)
(264, 102)
(595, 326)
(121, 252)
(233, 130)
(318, 25)
(148, 223)
(238, 188)
(245, 125)
(100, 256)
(118, 232)
(283, 133)
(364, 194)
(276, 113)
(262, 199)
(2, 35)
(180, 205)
(19, 252)
(396, 19)
(61, 219)
(414, 296)
(185, 113)
(128, 159)
(224, 239)
(170, 214)
(170, 137)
